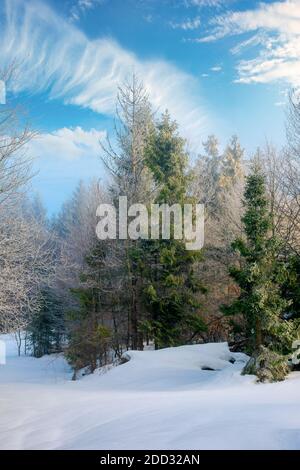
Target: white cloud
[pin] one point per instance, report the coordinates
(57, 58)
(209, 4)
(62, 158)
(275, 29)
(81, 6)
(68, 144)
(2, 92)
(283, 16)
(148, 18)
(258, 39)
(206, 3)
(188, 24)
(216, 68)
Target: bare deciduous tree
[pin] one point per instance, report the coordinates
(26, 264)
(293, 123)
(15, 164)
(24, 253)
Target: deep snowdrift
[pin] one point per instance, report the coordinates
(158, 400)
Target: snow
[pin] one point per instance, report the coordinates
(157, 400)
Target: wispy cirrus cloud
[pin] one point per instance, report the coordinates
(275, 29)
(79, 7)
(206, 3)
(209, 4)
(56, 58)
(188, 24)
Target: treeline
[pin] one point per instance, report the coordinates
(94, 299)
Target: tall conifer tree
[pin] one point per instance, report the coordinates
(261, 275)
(171, 282)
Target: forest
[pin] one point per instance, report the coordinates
(65, 291)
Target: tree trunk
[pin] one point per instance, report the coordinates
(258, 334)
(134, 315)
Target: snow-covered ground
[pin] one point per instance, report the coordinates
(158, 400)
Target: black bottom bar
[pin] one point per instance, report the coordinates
(133, 459)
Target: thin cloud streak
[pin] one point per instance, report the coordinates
(187, 25)
(81, 6)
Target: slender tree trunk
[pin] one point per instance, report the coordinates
(19, 341)
(258, 334)
(137, 336)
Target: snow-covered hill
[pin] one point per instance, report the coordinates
(158, 400)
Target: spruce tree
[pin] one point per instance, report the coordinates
(260, 276)
(89, 333)
(291, 288)
(168, 268)
(46, 331)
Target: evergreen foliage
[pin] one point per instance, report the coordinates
(291, 287)
(89, 336)
(261, 275)
(46, 331)
(171, 285)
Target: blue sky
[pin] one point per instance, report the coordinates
(220, 67)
